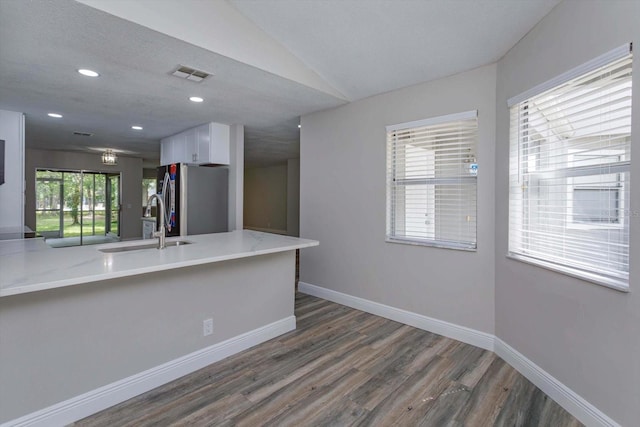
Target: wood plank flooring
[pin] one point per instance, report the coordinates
(344, 367)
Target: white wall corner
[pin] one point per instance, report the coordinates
(293, 197)
(560, 393)
(101, 398)
(22, 169)
(236, 178)
(440, 327)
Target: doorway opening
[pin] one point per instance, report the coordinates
(77, 207)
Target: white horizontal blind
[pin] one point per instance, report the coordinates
(569, 175)
(431, 181)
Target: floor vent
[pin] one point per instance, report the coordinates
(82, 133)
(190, 74)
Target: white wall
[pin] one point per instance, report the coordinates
(265, 198)
(61, 343)
(272, 198)
(12, 191)
(236, 177)
(584, 335)
(342, 204)
(131, 185)
(293, 197)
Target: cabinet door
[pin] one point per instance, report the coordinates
(219, 146)
(166, 151)
(203, 142)
(181, 152)
(190, 146)
(172, 150)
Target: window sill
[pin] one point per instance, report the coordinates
(616, 284)
(433, 244)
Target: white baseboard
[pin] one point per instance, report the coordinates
(560, 393)
(96, 400)
(450, 330)
(563, 395)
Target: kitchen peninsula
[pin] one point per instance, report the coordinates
(82, 329)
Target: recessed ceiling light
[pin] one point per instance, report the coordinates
(299, 126)
(55, 115)
(88, 73)
(196, 99)
(136, 127)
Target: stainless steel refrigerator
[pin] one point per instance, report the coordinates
(196, 198)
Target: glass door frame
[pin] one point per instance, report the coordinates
(60, 210)
(108, 176)
(108, 208)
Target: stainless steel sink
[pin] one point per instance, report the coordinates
(145, 246)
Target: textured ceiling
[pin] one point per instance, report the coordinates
(360, 48)
(43, 43)
(363, 48)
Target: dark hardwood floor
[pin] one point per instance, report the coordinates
(344, 367)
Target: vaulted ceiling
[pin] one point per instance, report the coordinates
(271, 62)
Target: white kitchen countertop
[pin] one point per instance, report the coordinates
(30, 265)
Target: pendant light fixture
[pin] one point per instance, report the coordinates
(109, 157)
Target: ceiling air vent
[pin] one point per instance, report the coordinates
(190, 74)
(76, 133)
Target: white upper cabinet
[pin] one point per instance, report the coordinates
(190, 143)
(172, 150)
(202, 143)
(216, 149)
(205, 144)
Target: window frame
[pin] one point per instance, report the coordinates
(571, 187)
(520, 228)
(393, 184)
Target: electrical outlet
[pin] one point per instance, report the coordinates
(207, 327)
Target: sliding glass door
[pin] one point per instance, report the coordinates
(112, 204)
(49, 204)
(77, 207)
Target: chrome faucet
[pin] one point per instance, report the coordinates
(160, 232)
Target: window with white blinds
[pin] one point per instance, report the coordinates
(431, 181)
(569, 172)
